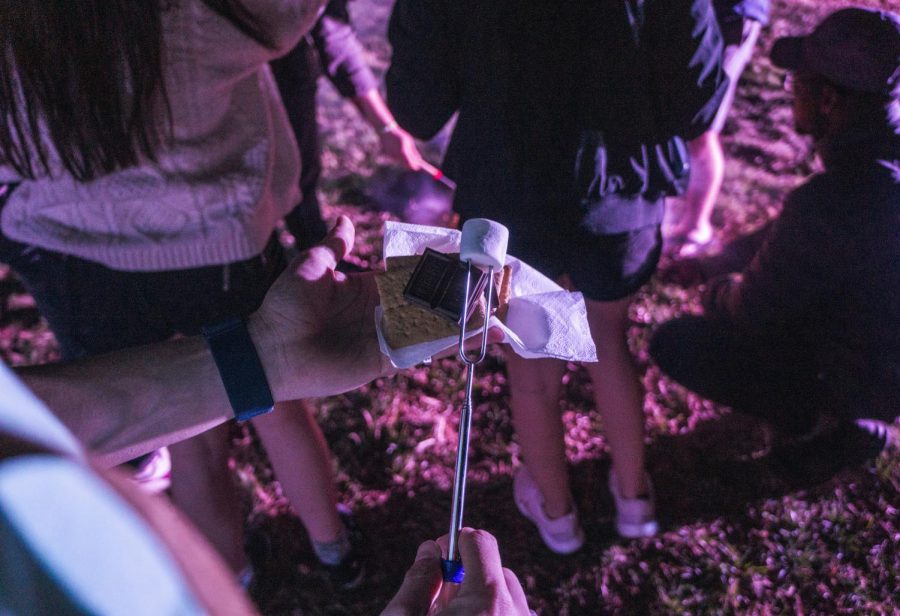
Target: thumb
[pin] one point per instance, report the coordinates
(330, 251)
(420, 584)
(339, 241)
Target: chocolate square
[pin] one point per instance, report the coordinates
(439, 284)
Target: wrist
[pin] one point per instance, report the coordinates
(240, 367)
(271, 354)
(388, 128)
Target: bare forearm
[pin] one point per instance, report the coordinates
(314, 335)
(395, 142)
(373, 109)
(126, 403)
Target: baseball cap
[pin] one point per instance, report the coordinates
(855, 48)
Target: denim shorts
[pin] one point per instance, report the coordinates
(94, 309)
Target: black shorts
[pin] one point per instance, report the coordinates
(604, 268)
(94, 309)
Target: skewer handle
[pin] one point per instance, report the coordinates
(438, 176)
(452, 571)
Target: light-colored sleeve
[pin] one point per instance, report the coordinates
(194, 33)
(70, 545)
(25, 417)
(340, 52)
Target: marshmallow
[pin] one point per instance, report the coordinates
(483, 242)
(531, 321)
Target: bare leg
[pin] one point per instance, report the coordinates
(302, 463)
(534, 386)
(707, 172)
(618, 393)
(707, 157)
(204, 489)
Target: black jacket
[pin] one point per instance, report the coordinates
(822, 292)
(533, 82)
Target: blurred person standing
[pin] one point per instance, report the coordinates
(566, 115)
(332, 48)
(740, 22)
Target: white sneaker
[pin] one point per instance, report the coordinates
(635, 517)
(562, 535)
(154, 475)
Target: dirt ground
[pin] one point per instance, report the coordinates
(736, 536)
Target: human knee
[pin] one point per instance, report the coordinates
(533, 393)
(609, 326)
(534, 379)
(706, 153)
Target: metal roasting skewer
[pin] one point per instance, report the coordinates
(438, 176)
(452, 566)
(443, 179)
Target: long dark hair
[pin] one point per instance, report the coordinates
(88, 74)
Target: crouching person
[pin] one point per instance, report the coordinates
(808, 335)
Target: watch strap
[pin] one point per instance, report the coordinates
(239, 367)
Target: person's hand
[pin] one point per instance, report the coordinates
(400, 146)
(488, 588)
(315, 331)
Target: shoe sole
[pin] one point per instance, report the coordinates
(632, 530)
(638, 531)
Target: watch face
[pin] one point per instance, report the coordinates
(439, 284)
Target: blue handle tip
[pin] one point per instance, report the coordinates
(453, 571)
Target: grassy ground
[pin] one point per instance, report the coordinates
(737, 537)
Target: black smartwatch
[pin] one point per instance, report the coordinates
(240, 368)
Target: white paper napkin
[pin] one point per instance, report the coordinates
(543, 320)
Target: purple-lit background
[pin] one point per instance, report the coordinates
(736, 538)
